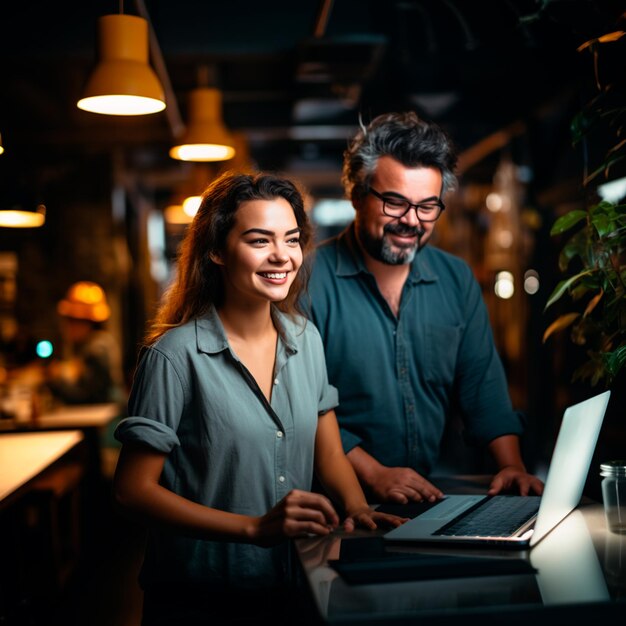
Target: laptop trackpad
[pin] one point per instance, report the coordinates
(450, 507)
(426, 523)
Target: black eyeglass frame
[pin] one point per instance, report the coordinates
(409, 205)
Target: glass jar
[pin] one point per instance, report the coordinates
(614, 495)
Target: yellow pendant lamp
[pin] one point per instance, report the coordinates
(123, 83)
(206, 138)
(18, 217)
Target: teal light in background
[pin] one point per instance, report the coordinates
(44, 349)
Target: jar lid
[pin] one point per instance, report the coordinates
(613, 468)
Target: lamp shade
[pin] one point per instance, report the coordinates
(123, 83)
(206, 138)
(17, 217)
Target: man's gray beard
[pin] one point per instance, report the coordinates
(396, 257)
(382, 250)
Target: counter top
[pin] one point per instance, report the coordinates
(577, 571)
(23, 456)
(69, 416)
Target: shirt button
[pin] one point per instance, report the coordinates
(276, 381)
(281, 479)
(279, 433)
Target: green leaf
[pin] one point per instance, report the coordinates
(614, 361)
(603, 207)
(567, 221)
(579, 291)
(579, 127)
(575, 246)
(585, 120)
(603, 224)
(563, 286)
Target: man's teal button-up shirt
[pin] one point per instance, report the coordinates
(399, 377)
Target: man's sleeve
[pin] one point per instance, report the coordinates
(481, 382)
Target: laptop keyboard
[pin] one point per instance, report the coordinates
(499, 516)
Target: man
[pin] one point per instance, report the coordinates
(405, 329)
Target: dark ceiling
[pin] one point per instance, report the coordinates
(296, 76)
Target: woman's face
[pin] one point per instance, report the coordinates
(262, 254)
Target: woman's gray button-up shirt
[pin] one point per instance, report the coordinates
(228, 447)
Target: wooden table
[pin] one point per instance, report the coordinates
(24, 456)
(81, 416)
(92, 419)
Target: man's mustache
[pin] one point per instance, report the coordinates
(402, 230)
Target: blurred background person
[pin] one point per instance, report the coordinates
(90, 370)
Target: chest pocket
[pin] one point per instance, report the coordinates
(442, 346)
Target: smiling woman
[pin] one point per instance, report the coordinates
(261, 262)
(231, 413)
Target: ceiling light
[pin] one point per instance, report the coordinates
(1, 146)
(206, 138)
(191, 204)
(123, 82)
(174, 214)
(20, 218)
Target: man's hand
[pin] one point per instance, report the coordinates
(391, 484)
(512, 475)
(514, 478)
(402, 484)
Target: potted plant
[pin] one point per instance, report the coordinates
(593, 255)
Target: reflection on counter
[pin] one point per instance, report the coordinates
(615, 564)
(576, 566)
(568, 569)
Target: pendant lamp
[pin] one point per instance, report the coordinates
(206, 138)
(188, 195)
(123, 83)
(18, 217)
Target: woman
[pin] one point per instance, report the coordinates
(231, 413)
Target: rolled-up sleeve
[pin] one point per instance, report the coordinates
(155, 405)
(329, 400)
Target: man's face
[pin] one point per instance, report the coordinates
(395, 240)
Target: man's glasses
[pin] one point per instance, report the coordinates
(394, 206)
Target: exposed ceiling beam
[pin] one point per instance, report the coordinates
(496, 141)
(321, 20)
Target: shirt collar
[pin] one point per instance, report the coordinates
(211, 336)
(350, 260)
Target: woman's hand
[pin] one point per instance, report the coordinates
(298, 514)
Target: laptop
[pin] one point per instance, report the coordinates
(471, 519)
